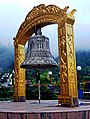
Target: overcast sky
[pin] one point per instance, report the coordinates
(13, 13)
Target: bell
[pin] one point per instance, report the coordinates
(38, 53)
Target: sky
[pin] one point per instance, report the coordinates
(13, 13)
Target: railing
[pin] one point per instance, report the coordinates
(86, 95)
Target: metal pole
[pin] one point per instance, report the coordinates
(39, 90)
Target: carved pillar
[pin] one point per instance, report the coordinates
(68, 80)
(19, 87)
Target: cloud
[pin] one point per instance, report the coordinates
(51, 31)
(13, 13)
(29, 4)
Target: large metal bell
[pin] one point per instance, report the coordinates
(38, 53)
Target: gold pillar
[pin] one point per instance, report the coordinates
(19, 87)
(68, 80)
(39, 16)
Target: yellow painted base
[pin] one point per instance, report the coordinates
(66, 100)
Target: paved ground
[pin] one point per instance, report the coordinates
(44, 106)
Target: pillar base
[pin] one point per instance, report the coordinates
(65, 100)
(19, 99)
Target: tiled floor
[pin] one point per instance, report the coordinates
(34, 106)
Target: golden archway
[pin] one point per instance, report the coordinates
(41, 16)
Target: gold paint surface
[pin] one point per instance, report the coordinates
(68, 78)
(19, 86)
(40, 15)
(45, 15)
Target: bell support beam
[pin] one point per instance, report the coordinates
(68, 80)
(19, 84)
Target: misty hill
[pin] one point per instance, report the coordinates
(83, 58)
(7, 57)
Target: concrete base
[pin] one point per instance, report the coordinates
(47, 109)
(19, 99)
(66, 100)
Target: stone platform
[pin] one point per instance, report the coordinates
(47, 109)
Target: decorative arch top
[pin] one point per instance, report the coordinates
(40, 15)
(42, 9)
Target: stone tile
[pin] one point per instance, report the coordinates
(48, 109)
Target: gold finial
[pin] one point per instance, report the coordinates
(72, 12)
(65, 9)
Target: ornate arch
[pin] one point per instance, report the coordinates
(41, 16)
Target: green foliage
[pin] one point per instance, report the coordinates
(46, 93)
(31, 92)
(85, 74)
(84, 81)
(7, 64)
(6, 93)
